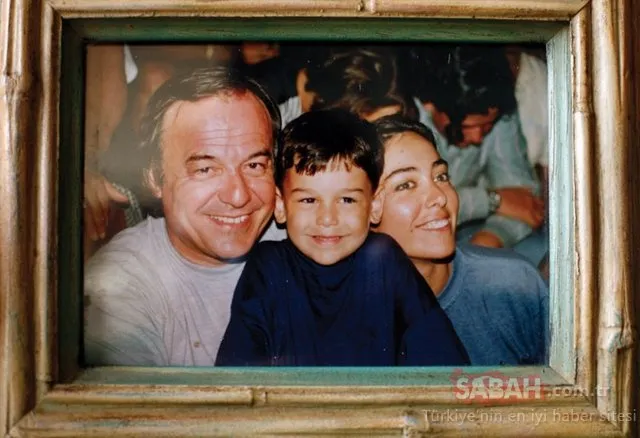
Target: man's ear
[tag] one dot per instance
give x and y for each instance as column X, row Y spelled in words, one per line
column 377, row 204
column 280, row 212
column 152, row 184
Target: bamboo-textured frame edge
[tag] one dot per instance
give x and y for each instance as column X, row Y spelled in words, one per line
column 32, row 402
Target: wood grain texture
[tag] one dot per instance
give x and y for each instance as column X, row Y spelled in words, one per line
column 19, row 105
column 196, row 8
column 45, row 236
column 510, row 9
column 287, row 28
column 40, row 263
column 585, row 188
column 616, row 333
column 562, row 207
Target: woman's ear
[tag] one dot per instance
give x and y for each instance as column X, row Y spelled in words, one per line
column 280, row 212
column 377, row 205
column 152, row 184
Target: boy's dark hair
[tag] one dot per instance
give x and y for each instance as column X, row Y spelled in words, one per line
column 359, row 80
column 390, row 126
column 309, row 143
column 463, row 80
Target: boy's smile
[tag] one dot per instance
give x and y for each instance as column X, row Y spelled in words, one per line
column 327, row 214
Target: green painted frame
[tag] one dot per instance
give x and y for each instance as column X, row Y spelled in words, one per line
column 593, row 329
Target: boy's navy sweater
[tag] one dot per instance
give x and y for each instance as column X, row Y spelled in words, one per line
column 371, row 309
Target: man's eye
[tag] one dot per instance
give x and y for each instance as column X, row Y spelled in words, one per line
column 307, row 201
column 442, row 177
column 204, row 170
column 256, row 167
column 405, row 186
column 347, row 200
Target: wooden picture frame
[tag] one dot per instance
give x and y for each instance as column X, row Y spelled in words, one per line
column 588, row 387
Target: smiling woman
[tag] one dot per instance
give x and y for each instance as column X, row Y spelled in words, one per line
column 501, row 319
column 47, row 390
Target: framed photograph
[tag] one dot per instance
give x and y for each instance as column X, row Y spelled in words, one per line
column 53, row 51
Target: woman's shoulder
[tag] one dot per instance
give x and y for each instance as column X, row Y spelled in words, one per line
column 499, row 269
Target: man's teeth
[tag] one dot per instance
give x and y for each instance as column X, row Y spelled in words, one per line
column 441, row 223
column 231, row 220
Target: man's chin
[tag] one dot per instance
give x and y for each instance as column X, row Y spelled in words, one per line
column 237, row 254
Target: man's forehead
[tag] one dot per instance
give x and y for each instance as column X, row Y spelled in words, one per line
column 219, row 118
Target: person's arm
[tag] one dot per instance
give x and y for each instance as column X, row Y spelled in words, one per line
column 121, row 325
column 246, row 341
column 508, row 172
column 105, row 104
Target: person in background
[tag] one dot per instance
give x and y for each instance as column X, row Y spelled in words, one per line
column 496, row 300
column 465, row 95
column 363, row 81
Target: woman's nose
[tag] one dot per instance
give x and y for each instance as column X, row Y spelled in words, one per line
column 436, row 197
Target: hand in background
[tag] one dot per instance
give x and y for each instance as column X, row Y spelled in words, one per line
column 99, row 194
column 486, row 238
column 521, row 204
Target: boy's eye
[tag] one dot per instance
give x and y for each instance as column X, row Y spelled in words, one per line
column 405, row 186
column 442, row 177
column 307, row 200
column 347, row 200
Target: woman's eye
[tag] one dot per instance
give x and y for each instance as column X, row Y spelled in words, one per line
column 405, row 186
column 307, row 201
column 442, row 177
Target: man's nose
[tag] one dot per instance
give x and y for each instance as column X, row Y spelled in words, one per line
column 235, row 191
column 327, row 215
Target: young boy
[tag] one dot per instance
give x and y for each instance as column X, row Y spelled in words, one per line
column 333, row 293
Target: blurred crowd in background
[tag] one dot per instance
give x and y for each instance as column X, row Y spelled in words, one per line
column 498, row 138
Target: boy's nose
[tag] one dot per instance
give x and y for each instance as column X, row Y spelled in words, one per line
column 327, row 216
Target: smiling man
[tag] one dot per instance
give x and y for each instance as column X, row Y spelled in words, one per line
column 160, row 293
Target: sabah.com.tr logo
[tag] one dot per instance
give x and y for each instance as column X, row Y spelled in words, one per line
column 495, row 387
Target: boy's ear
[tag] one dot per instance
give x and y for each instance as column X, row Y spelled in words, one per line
column 152, row 184
column 377, row 204
column 280, row 212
